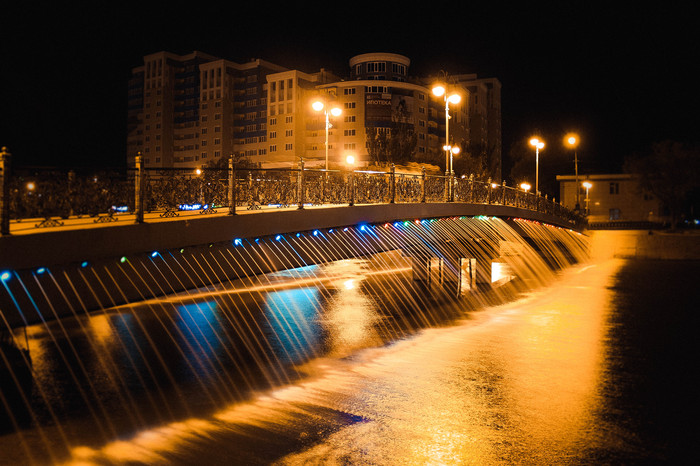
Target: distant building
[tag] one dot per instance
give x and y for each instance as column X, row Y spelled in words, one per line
column 612, row 200
column 188, row 110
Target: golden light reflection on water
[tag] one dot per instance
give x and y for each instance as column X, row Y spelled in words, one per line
column 516, row 383
column 350, row 318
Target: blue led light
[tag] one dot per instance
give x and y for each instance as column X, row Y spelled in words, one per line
column 84, row 264
column 154, row 253
column 4, row 276
column 278, row 237
column 237, row 242
column 257, row 240
column 298, row 235
column 330, row 231
column 316, row 232
column 40, row 270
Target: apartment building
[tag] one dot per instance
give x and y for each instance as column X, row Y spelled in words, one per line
column 188, row 110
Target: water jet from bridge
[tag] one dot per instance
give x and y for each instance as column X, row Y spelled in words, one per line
column 168, row 340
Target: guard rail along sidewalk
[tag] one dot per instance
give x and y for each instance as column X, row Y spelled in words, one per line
column 47, row 196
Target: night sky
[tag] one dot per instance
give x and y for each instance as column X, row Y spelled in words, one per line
column 621, row 78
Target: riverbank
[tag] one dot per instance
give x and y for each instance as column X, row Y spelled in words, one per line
column 645, row 244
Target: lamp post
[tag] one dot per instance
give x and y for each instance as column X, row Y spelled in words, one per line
column 572, row 141
column 335, row 111
column 587, row 185
column 350, row 161
column 451, row 150
column 454, row 98
column 538, row 145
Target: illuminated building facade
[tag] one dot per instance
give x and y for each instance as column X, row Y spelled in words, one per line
column 190, row 110
column 612, row 199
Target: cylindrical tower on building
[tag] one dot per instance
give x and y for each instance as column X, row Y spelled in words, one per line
column 385, row 66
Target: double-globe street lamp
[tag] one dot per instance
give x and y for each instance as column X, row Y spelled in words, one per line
column 335, row 111
column 453, row 98
column 538, row 145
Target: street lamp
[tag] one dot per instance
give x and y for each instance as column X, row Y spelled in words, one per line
column 451, row 150
column 587, row 185
column 335, row 111
column 572, row 141
column 454, row 98
column 538, row 145
column 525, row 187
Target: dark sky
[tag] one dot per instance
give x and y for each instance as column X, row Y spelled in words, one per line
column 622, row 77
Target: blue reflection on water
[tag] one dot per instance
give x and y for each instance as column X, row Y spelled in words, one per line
column 292, row 316
column 197, row 322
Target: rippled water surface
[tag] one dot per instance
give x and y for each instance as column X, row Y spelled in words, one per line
column 352, row 366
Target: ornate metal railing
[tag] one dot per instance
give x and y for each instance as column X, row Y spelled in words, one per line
column 49, row 196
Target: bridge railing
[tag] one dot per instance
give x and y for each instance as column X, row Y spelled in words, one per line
column 49, row 196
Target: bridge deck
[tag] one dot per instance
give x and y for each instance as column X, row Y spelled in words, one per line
column 81, row 239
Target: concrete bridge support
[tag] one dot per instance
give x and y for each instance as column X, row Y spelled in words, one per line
column 455, row 275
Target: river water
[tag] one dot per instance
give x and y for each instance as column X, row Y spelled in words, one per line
column 351, row 365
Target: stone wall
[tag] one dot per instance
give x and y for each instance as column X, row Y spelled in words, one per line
column 645, row 244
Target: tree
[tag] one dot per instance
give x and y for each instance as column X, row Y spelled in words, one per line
column 522, row 161
column 395, row 144
column 476, row 159
column 377, row 145
column 671, row 172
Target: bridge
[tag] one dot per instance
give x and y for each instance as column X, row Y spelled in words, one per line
column 185, row 230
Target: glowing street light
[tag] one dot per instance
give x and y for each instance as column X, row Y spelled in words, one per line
column 572, row 141
column 587, row 185
column 319, row 106
column 453, row 98
column 538, row 145
column 350, row 160
column 525, row 187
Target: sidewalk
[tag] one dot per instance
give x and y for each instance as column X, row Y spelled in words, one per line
column 29, row 225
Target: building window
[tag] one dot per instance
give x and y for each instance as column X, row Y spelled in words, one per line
column 350, row 119
column 614, row 188
column 288, row 119
column 614, row 214
column 398, row 68
column 289, row 133
column 349, row 91
column 288, row 146
column 349, row 132
column 376, row 67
